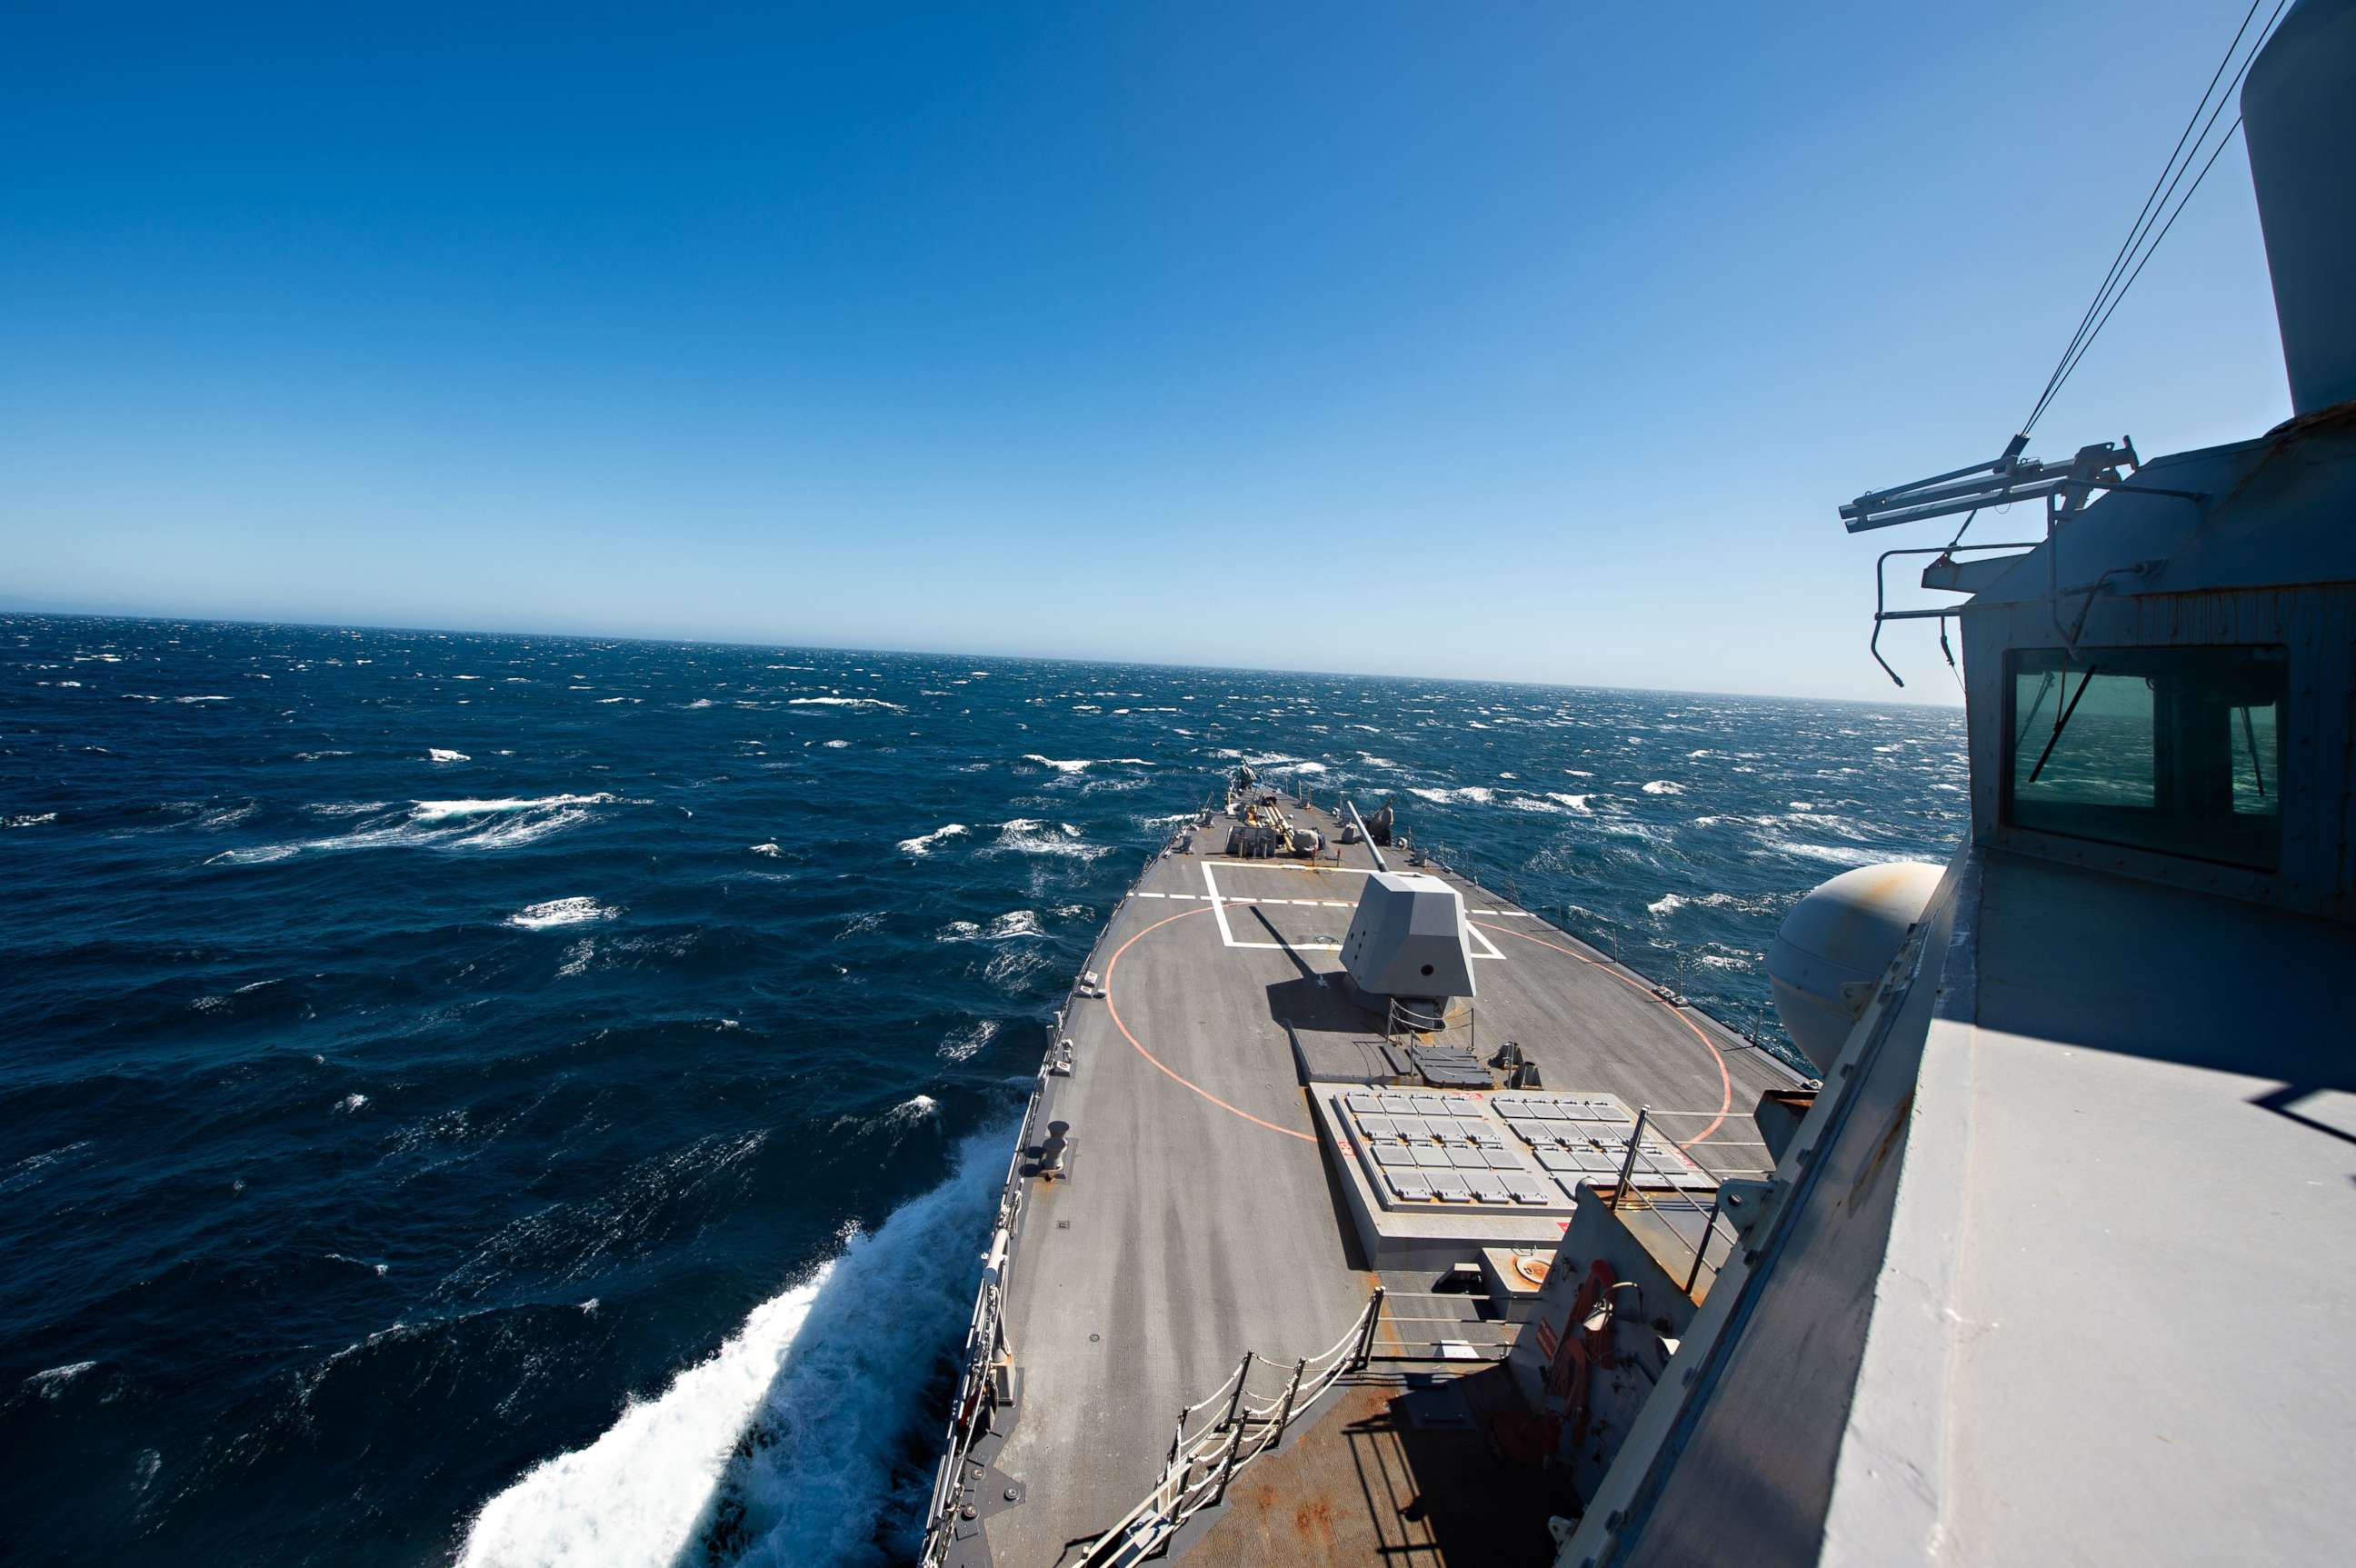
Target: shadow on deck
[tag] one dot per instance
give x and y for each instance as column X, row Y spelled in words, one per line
column 1415, row 1469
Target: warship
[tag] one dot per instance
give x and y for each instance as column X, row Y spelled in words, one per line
column 1358, row 1214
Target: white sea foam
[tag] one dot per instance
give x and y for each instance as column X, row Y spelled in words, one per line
column 1029, row 835
column 351, row 1103
column 1831, row 853
column 30, row 819
column 1081, row 765
column 443, row 754
column 1665, row 786
column 345, row 808
column 701, row 703
column 440, row 810
column 818, row 1386
column 917, row 1109
column 262, row 856
column 454, row 825
column 560, row 912
column 771, row 849
column 843, row 702
column 53, row 1383
column 961, row 1044
column 1667, row 903
column 1477, row 794
column 1574, row 803
column 838, row 744
column 922, row 844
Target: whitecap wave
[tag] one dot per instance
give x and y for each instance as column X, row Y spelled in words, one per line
column 793, row 1428
column 443, row 754
column 961, row 1044
column 560, row 912
column 1029, row 835
column 1665, row 786
column 28, row 819
column 1830, row 853
column 454, row 825
column 1068, row 766
column 53, row 1383
column 843, row 702
column 922, row 844
column 1473, row 794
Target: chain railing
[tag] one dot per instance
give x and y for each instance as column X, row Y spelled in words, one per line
column 1205, row 1455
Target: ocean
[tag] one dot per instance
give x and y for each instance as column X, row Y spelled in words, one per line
column 524, row 1100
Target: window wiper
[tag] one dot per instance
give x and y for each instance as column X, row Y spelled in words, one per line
column 2062, row 719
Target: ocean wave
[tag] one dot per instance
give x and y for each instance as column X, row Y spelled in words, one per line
column 442, row 810
column 444, row 754
column 1830, row 853
column 916, row 1107
column 922, row 844
column 1475, row 794
column 791, row 1430
column 1081, row 765
column 559, row 912
column 53, row 1382
column 843, row 702
column 1012, row 965
column 1029, row 835
column 29, row 820
column 1001, row 928
column 1665, row 786
column 961, row 1044
column 264, row 855
column 770, row 849
column 456, row 825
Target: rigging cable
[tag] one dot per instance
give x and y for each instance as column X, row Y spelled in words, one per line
column 2106, row 297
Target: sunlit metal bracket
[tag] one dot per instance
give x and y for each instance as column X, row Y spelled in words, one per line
column 2000, row 481
column 2064, row 488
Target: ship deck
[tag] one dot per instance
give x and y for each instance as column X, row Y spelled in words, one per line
column 1201, row 1215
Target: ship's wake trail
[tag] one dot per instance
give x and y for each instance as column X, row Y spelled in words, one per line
column 792, row 1442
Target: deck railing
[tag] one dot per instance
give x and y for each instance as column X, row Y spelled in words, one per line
column 1205, row 1454
column 985, row 1340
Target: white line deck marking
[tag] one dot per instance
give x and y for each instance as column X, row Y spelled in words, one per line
column 1221, row 902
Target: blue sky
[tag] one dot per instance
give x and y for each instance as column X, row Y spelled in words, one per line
column 1532, row 341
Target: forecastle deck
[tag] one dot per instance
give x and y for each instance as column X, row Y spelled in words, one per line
column 1205, row 1208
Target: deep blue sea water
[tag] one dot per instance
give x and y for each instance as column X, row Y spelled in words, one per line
column 456, row 1088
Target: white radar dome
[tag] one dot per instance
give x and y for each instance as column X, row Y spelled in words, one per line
column 1834, row 945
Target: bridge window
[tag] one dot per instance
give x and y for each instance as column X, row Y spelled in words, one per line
column 2174, row 749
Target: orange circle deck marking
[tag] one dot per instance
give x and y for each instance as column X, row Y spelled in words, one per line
column 1725, row 1080
column 1113, row 964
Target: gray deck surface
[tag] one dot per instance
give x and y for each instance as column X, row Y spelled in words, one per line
column 1199, row 1220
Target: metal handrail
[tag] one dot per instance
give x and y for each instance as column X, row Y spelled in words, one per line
column 1199, row 1468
